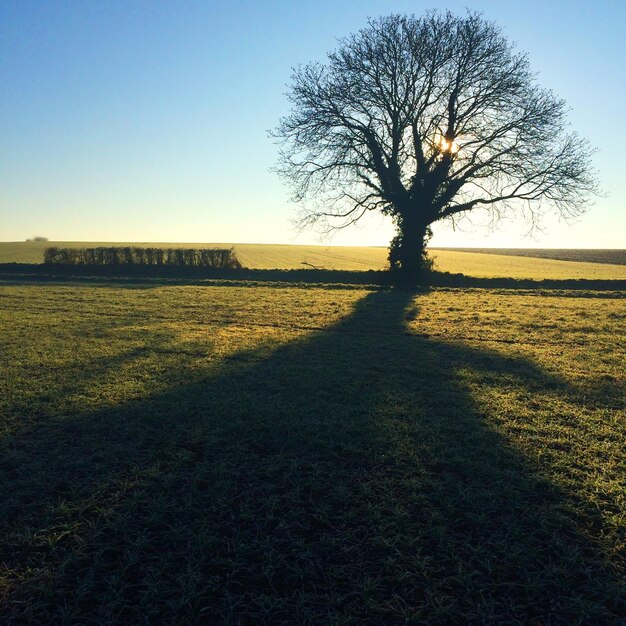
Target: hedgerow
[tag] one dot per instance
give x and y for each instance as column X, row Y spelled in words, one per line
column 215, row 258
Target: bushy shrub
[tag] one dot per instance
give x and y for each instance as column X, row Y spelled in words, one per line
column 64, row 256
column 213, row 258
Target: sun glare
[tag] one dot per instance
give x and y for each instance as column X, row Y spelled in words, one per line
column 448, row 146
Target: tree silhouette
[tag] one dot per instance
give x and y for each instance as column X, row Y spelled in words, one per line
column 428, row 119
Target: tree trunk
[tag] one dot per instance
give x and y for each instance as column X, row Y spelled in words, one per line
column 408, row 250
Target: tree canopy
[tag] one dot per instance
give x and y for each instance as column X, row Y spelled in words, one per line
column 426, row 119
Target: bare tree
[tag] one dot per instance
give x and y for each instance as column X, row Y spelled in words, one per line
column 427, row 119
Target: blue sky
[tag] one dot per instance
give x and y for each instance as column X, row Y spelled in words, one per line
column 147, row 120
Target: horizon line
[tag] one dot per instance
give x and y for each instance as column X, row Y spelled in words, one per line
column 304, row 245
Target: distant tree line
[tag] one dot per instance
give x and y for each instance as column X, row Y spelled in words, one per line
column 37, row 238
column 215, row 258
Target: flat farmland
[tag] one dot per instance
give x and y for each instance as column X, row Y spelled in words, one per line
column 273, row 453
column 614, row 256
column 273, row 256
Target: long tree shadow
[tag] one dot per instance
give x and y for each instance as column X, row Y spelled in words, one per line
column 347, row 477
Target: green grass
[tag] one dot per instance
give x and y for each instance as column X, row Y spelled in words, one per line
column 248, row 453
column 271, row 256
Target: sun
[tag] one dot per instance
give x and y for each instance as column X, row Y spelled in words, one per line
column 445, row 145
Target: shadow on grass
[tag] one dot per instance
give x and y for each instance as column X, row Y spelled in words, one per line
column 345, row 477
column 146, row 276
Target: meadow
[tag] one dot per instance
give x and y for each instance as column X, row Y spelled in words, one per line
column 244, row 452
column 479, row 264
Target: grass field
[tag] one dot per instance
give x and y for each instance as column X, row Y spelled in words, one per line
column 271, row 256
column 614, row 256
column 247, row 453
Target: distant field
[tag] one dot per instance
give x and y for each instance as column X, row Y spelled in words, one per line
column 488, row 265
column 271, row 256
column 232, row 453
column 615, row 257
column 257, row 256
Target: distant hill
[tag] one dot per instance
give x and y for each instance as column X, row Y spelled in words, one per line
column 483, row 262
column 615, row 257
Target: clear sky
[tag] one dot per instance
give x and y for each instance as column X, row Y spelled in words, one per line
column 147, row 120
